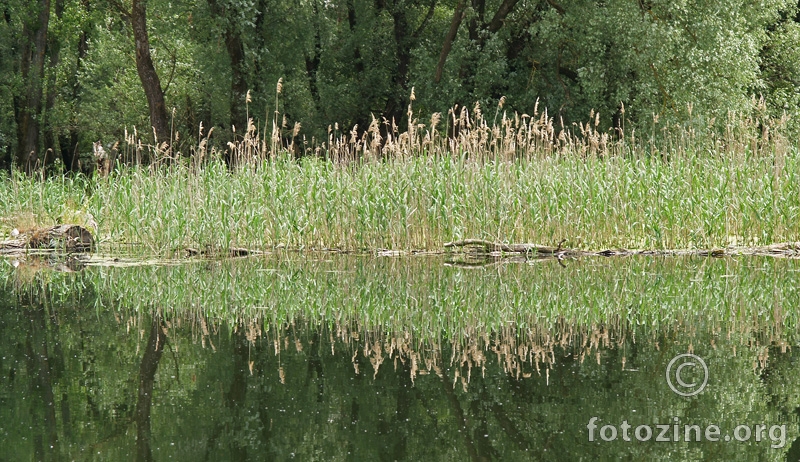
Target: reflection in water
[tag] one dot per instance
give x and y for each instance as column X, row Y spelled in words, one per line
column 147, row 372
column 312, row 364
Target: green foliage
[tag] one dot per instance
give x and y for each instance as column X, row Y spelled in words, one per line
column 781, row 72
column 687, row 64
column 112, row 98
column 656, row 57
column 11, row 81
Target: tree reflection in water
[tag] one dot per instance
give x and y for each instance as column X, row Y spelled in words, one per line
column 106, row 372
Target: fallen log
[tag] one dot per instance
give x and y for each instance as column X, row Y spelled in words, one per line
column 782, row 249
column 221, row 252
column 490, row 246
column 65, row 238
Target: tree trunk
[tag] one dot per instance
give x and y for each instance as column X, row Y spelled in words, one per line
column 476, row 25
column 28, row 111
column 358, row 61
column 502, row 12
column 6, row 159
column 234, row 45
column 51, row 146
column 469, row 66
column 69, row 145
column 233, row 41
column 476, row 22
column 237, row 393
column 397, row 101
column 39, row 365
column 450, row 37
column 147, row 73
column 6, row 156
column 313, row 61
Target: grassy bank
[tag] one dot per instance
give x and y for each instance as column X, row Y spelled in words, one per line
column 508, row 179
column 423, row 202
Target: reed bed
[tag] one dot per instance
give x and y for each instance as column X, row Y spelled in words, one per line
column 515, row 178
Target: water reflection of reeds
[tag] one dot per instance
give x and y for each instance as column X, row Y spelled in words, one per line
column 423, row 315
column 296, row 353
column 518, row 353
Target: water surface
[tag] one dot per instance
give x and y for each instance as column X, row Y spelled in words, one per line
column 332, row 357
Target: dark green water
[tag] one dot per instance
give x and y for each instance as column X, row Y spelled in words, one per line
column 320, row 357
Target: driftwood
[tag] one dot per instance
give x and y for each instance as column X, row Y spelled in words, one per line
column 220, row 252
column 490, row 246
column 66, row 238
column 784, row 249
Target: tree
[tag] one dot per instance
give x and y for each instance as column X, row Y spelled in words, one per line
column 780, row 70
column 147, row 373
column 147, row 72
column 406, row 37
column 8, row 66
column 346, row 61
column 69, row 143
column 479, row 29
column 28, row 105
column 234, row 45
column 151, row 84
column 229, row 16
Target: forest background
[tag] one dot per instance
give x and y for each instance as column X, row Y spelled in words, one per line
column 73, row 72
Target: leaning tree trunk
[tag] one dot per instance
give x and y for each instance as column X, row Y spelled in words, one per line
column 458, row 15
column 147, row 73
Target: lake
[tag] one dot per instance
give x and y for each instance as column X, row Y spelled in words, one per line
column 322, row 356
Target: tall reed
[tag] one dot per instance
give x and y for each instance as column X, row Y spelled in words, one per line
column 517, row 178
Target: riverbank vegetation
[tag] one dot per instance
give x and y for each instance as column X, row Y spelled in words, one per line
column 76, row 72
column 329, row 127
column 517, row 180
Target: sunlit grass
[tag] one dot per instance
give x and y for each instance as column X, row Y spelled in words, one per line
column 518, row 180
column 423, row 202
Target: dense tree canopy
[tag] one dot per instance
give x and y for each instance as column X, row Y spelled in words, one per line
column 78, row 71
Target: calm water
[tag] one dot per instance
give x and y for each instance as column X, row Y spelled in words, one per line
column 321, row 357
